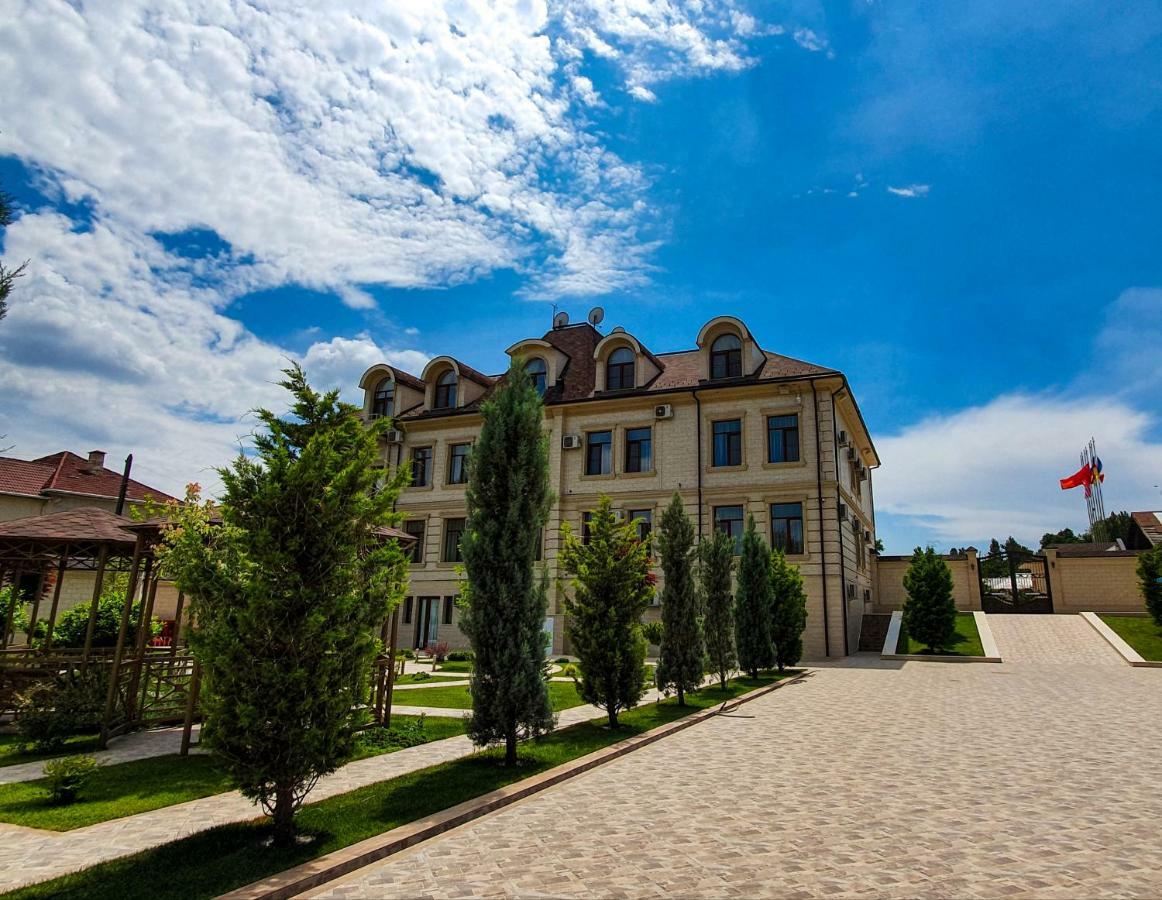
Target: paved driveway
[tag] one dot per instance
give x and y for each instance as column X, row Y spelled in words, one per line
column 1033, row 778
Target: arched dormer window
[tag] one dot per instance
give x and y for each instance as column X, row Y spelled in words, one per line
column 539, row 373
column 383, row 401
column 445, row 391
column 726, row 357
column 619, row 371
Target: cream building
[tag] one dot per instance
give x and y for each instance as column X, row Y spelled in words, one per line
column 735, row 429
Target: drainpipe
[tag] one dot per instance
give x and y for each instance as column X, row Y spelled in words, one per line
column 842, row 525
column 698, row 441
column 822, row 537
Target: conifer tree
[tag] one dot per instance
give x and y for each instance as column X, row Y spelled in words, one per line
column 680, row 663
column 789, row 610
column 7, row 276
column 716, row 562
column 752, row 608
column 289, row 594
column 503, row 612
column 1150, row 577
column 612, row 587
column 929, row 610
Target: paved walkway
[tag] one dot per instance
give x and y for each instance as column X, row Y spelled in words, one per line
column 29, row 855
column 1030, row 778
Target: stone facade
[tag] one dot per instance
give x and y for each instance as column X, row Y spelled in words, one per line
column 673, row 395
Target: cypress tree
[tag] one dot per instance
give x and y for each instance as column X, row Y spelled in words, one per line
column 716, row 562
column 789, row 612
column 752, row 609
column 612, row 587
column 929, row 610
column 505, row 604
column 1150, row 577
column 680, row 663
column 288, row 595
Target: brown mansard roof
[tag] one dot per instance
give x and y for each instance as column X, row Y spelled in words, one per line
column 679, row 369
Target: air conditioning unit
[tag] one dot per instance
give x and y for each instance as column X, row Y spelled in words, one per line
column 842, row 438
column 851, row 454
column 863, row 473
column 855, row 522
column 663, row 411
column 867, row 535
column 842, row 510
column 571, row 442
column 395, row 436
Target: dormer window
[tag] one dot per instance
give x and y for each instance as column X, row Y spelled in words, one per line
column 445, row 391
column 539, row 373
column 619, row 371
column 383, row 401
column 726, row 357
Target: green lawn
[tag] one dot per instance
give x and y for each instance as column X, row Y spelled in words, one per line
column 125, row 789
column 967, row 640
column 10, row 754
column 228, row 857
column 458, row 665
column 1139, row 632
column 410, row 678
column 562, row 695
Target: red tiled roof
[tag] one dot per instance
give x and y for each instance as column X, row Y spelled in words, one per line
column 85, row 524
column 1151, row 524
column 70, row 473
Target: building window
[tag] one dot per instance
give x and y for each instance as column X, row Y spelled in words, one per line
column 539, row 373
column 726, row 357
column 729, row 519
column 643, row 520
column 586, row 520
column 446, row 391
column 787, row 527
column 728, row 443
column 383, row 402
column 415, row 527
column 619, row 370
column 421, row 466
column 407, row 610
column 783, row 438
column 449, row 604
column 458, row 463
column 639, row 456
column 453, row 531
column 599, row 453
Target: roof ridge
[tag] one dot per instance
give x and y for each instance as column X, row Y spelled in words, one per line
column 48, row 485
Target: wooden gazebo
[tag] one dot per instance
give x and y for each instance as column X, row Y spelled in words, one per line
column 147, row 685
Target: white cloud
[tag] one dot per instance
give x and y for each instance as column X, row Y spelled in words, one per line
column 911, row 190
column 993, row 470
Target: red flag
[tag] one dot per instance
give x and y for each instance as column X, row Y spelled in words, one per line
column 1082, row 477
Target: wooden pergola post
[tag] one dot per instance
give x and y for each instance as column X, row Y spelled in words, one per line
column 177, row 624
column 191, row 704
column 62, row 566
column 98, row 584
column 149, row 594
column 17, row 572
column 391, row 667
column 114, row 671
column 35, row 606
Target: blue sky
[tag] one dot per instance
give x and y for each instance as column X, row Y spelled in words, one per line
column 957, row 205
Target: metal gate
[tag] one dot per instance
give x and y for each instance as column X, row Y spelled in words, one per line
column 1014, row 583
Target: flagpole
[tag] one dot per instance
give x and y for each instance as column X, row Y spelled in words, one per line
column 1098, row 501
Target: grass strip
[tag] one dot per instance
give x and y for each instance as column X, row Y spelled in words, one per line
column 129, row 788
column 562, row 695
column 221, row 859
column 966, row 643
column 1140, row 632
column 11, row 754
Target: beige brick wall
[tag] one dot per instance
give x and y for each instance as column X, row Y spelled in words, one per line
column 1100, row 582
column 890, row 580
column 754, row 485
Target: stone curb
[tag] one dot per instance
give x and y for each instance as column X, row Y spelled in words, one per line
column 988, row 643
column 1115, row 640
column 342, row 862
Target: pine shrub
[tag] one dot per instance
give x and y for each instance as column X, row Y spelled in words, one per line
column 789, row 610
column 681, row 660
column 716, row 564
column 752, row 607
column 929, row 610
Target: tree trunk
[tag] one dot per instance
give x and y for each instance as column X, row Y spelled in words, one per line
column 681, row 696
column 722, row 678
column 611, row 711
column 510, row 746
column 284, row 815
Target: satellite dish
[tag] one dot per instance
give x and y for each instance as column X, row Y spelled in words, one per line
column 596, row 315
column 560, row 320
column 617, row 329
